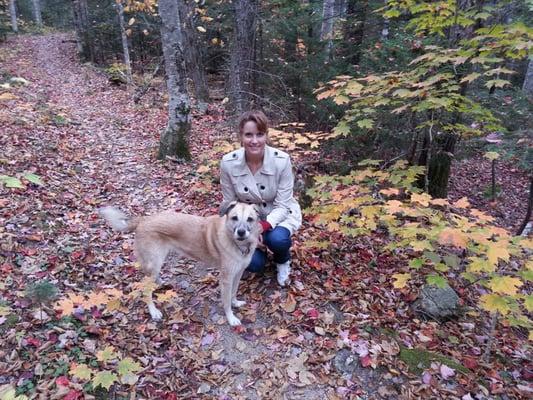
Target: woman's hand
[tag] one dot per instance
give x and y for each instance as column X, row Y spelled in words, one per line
column 260, row 243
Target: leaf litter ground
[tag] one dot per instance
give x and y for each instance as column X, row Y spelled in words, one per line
column 336, row 333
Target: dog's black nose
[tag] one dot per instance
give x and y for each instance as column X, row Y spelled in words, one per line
column 241, row 232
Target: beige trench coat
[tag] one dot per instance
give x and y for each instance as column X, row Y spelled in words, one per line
column 271, row 188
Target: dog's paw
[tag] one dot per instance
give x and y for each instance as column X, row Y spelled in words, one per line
column 155, row 313
column 233, row 320
column 237, row 303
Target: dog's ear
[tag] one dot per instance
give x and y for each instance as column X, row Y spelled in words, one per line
column 228, row 208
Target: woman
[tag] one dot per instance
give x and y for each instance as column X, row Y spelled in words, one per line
column 262, row 175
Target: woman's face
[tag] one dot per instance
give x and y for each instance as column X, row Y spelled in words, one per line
column 253, row 141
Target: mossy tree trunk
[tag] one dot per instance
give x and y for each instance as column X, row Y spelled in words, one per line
column 441, row 149
column 174, row 140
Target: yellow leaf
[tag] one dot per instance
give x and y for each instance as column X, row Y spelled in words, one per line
column 453, row 237
column 491, row 155
column 114, row 293
column 390, row 191
column 290, row 304
column 478, row 264
column 203, row 169
column 400, row 280
column 505, row 284
column 419, row 245
column 96, row 299
column 462, row 203
column 526, row 243
column 422, row 199
column 7, row 96
column 106, row 354
column 326, row 94
column 528, row 303
column 104, row 379
column 496, row 252
column 494, row 302
column 439, row 202
column 341, row 99
column 8, row 392
column 80, row 371
column 481, row 216
column 113, row 305
column 394, row 206
column 201, row 29
column 128, row 366
column 166, row 296
column 65, row 306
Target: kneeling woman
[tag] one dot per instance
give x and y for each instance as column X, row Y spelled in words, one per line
column 262, row 175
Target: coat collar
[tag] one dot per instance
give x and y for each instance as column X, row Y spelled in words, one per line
column 241, row 168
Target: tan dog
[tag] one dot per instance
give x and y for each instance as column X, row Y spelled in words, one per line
column 226, row 242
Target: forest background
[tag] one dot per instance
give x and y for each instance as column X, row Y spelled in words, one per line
column 409, row 124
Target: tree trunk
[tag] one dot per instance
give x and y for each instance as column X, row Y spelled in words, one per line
column 354, row 29
column 124, row 38
column 174, row 140
column 37, row 13
column 83, row 31
column 193, row 55
column 326, row 31
column 527, row 87
column 13, row 15
column 527, row 219
column 438, row 157
column 242, row 64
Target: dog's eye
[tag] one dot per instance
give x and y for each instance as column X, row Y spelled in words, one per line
column 250, row 219
column 235, row 218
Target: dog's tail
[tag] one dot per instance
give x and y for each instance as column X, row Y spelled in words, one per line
column 118, row 220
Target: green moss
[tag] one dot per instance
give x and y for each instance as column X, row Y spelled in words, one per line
column 418, row 359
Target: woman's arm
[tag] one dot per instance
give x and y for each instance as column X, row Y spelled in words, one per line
column 284, row 194
column 228, row 193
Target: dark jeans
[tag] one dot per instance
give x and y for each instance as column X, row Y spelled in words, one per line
column 278, row 240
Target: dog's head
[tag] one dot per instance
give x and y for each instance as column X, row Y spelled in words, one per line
column 242, row 221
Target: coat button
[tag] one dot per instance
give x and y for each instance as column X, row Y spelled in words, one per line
column 262, row 187
column 234, row 155
column 275, row 153
column 245, row 189
column 264, row 204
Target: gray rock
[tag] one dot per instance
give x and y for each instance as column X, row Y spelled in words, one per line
column 437, row 303
column 345, row 362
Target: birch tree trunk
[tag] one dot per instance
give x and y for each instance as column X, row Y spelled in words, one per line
column 326, row 32
column 193, row 56
column 242, row 63
column 13, row 15
column 124, row 37
column 527, row 87
column 174, row 140
column 37, row 13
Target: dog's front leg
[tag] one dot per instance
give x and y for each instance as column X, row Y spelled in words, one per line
column 235, row 286
column 225, row 294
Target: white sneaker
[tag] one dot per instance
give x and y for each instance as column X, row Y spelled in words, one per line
column 283, row 273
